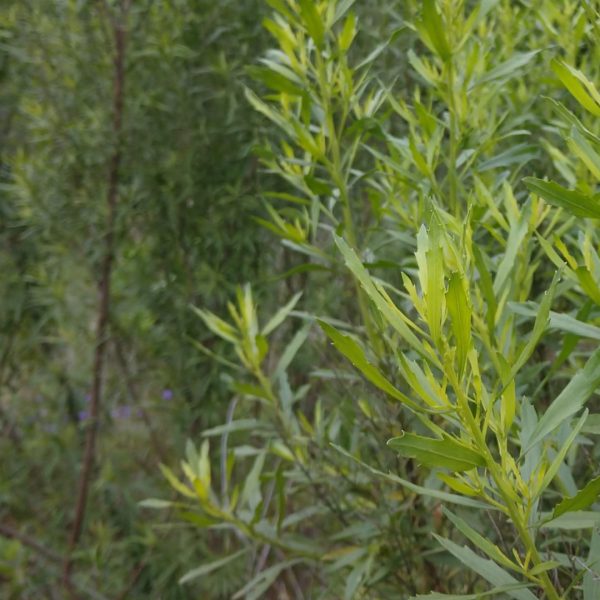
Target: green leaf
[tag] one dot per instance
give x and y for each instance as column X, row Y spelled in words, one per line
column 354, row 353
column 341, row 8
column 290, row 351
column 433, row 29
column 279, row 317
column 239, row 425
column 175, row 483
column 251, row 493
column 560, row 455
column 592, row 425
column 482, row 543
column 542, row 321
column 281, row 7
column 518, row 154
column 580, row 146
column 459, row 309
column 413, row 487
column 574, row 202
column 348, row 32
column 506, row 69
column 210, row 567
column 570, row 401
column 514, row 245
column 582, row 500
column 588, row 284
column 434, row 293
column 562, row 322
column 570, row 521
column 579, row 86
column 312, row 21
column 268, row 112
column 388, row 309
column 155, row 503
column 486, row 285
column 275, row 80
column 259, row 584
column 446, row 453
column 544, row 566
column 485, row 568
column 219, row 327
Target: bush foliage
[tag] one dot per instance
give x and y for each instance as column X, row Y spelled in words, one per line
column 300, row 308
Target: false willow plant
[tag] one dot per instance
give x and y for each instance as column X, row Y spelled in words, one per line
column 463, row 364
column 462, row 347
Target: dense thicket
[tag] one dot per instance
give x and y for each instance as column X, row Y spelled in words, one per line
column 339, row 257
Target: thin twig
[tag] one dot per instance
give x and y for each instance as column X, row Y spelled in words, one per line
column 103, row 292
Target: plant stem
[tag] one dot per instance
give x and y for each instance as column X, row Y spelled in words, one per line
column 104, row 293
column 521, row 527
column 340, row 180
column 506, row 492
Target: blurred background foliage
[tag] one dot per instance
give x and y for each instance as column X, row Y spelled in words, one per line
column 213, row 195
column 186, row 172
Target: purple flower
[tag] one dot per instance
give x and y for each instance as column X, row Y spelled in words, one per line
column 83, row 415
column 88, row 397
column 167, row 394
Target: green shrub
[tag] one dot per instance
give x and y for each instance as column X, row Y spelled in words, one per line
column 477, row 302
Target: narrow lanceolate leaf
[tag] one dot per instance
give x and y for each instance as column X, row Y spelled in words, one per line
column 459, row 310
column 562, row 322
column 580, row 146
column 570, row 401
column 481, row 542
column 279, row 317
column 210, row 567
column 582, row 89
column 312, row 21
column 417, row 489
column 575, row 202
column 446, row 453
column 275, row 80
column 389, row 311
column 542, row 321
column 582, row 500
column 507, row 69
column 433, row 27
column 435, row 291
column 348, row 32
column 217, row 326
column 557, row 461
column 579, row 519
column 485, row 568
column 355, row 354
column 588, row 283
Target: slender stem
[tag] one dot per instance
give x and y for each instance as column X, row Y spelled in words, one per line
column 104, row 293
column 515, row 514
column 521, row 527
column 506, row 492
column 340, row 179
